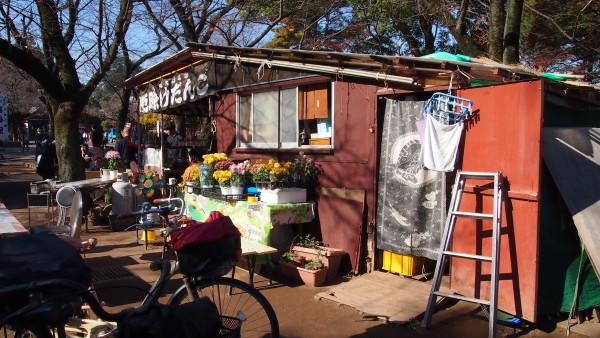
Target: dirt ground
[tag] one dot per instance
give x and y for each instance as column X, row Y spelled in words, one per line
column 299, row 313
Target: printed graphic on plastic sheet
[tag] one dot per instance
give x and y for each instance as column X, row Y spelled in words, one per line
column 412, row 201
column 254, row 220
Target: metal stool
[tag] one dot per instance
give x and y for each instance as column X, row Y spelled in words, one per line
column 41, row 200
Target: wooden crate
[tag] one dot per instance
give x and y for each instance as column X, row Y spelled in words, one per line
column 320, row 141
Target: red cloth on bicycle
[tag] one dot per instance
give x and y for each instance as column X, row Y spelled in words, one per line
column 217, row 226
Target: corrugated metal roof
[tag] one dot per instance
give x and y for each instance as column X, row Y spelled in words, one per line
column 424, row 72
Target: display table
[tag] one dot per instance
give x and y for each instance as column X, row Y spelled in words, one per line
column 254, row 219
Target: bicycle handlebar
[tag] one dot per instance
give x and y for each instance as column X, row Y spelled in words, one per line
column 147, row 208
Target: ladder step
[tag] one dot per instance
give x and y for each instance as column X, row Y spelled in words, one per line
column 475, row 215
column 478, row 175
column 466, row 255
column 459, row 297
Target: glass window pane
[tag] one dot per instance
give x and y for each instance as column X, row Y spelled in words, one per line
column 289, row 117
column 245, row 117
column 265, row 115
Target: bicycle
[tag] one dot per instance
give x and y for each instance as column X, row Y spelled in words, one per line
column 44, row 308
column 233, row 298
column 235, row 301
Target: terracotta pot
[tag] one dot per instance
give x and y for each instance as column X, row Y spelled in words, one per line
column 308, row 277
column 331, row 257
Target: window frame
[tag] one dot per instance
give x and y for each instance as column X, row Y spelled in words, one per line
column 280, row 145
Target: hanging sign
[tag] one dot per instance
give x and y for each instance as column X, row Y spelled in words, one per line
column 176, row 90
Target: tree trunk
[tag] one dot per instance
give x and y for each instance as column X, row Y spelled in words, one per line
column 124, row 112
column 66, row 133
column 495, row 31
column 512, row 32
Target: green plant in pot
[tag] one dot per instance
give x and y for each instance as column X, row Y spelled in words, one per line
column 311, row 248
column 310, row 272
column 292, row 257
column 316, row 263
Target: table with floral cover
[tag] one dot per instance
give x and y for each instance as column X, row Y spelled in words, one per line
column 254, row 219
column 9, row 225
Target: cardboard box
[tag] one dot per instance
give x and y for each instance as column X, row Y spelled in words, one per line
column 283, row 195
column 406, row 265
column 320, row 141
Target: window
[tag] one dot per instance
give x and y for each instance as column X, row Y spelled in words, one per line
column 285, row 118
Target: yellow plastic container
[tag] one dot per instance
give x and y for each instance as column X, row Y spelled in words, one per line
column 406, row 265
column 148, row 235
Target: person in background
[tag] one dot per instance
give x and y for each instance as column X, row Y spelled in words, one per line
column 25, row 137
column 96, row 154
column 48, row 162
column 193, row 169
column 97, row 134
column 85, row 151
column 39, row 138
column 126, row 148
column 173, row 139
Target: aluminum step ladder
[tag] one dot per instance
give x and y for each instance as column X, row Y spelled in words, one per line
column 445, row 253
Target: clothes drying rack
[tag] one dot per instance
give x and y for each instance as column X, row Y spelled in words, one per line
column 447, row 108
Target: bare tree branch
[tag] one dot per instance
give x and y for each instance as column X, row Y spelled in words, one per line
column 562, row 32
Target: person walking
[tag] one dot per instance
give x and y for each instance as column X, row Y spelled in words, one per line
column 25, row 138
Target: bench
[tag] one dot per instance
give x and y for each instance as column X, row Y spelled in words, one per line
column 251, row 249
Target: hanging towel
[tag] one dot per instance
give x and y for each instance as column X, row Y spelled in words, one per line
column 440, row 144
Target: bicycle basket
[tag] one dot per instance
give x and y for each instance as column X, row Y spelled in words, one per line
column 230, row 327
column 215, row 258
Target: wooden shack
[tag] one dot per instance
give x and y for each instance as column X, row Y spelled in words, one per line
column 335, row 108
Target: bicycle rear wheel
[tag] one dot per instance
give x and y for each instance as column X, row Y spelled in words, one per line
column 235, row 298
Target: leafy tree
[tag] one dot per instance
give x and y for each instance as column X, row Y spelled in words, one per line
column 562, row 36
column 58, row 45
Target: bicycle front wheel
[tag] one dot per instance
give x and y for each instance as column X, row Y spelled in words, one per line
column 235, row 298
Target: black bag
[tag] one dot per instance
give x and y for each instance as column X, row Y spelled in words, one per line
column 42, row 256
column 196, row 319
column 37, row 257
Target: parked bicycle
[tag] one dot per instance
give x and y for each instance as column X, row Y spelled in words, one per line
column 44, row 305
column 203, row 266
column 45, row 308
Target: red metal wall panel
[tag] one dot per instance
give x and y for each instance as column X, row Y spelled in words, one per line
column 504, row 136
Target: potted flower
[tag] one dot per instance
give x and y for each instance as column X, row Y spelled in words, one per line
column 310, row 271
column 223, row 177
column 311, row 248
column 238, row 177
column 259, row 172
column 191, row 177
column 207, row 168
column 111, row 162
column 305, row 171
column 279, row 175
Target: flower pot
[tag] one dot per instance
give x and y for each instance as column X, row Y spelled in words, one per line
column 206, row 178
column 105, row 174
column 308, row 277
column 237, row 190
column 331, row 257
column 189, row 187
column 225, row 190
column 114, row 174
